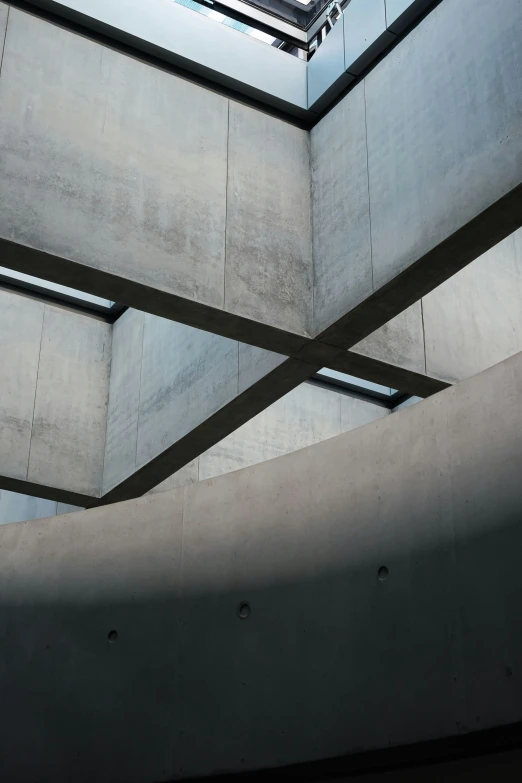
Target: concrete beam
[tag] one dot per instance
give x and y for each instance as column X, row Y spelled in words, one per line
column 468, row 324
column 189, row 390
column 302, row 539
column 159, row 225
column 93, row 413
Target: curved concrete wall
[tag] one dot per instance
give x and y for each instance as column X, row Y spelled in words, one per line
column 123, row 655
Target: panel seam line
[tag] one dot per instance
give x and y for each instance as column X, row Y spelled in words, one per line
column 226, row 212
column 368, row 183
column 139, row 395
column 35, row 393
column 423, row 336
column 4, row 39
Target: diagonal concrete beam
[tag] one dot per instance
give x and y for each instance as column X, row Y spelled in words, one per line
column 175, row 392
column 206, row 221
column 92, row 412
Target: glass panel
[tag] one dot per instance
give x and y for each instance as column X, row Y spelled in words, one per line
column 61, row 291
column 353, row 381
column 243, row 28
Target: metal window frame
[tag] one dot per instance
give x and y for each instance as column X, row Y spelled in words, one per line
column 361, row 389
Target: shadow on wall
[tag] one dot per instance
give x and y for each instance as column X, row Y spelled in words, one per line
column 112, row 671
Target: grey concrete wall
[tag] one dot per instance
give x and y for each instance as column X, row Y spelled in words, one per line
column 173, row 239
column 268, row 247
column 141, row 195
column 465, row 325
column 53, row 395
column 474, row 319
column 3, row 25
column 198, row 44
column 332, row 659
column 434, row 141
column 306, row 415
column 167, row 379
column 15, row 507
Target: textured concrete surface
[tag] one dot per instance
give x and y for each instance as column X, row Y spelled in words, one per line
column 444, row 142
column 464, row 326
column 193, row 390
column 94, row 566
column 268, row 250
column 356, row 413
column 186, row 376
column 4, row 10
column 20, row 333
column 431, row 650
column 53, row 396
column 96, row 177
column 140, row 203
column 15, row 507
column 124, row 398
column 304, row 416
column 104, row 122
column 471, row 322
column 168, row 383
column 401, row 13
column 139, row 193
column 401, row 340
column 474, row 320
column 341, row 217
column 254, row 363
column 70, row 406
column 307, row 415
column 222, row 54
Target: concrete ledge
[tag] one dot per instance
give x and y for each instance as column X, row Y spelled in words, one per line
column 197, row 44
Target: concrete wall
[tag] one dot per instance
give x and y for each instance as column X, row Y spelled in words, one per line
column 428, row 145
column 196, row 44
column 53, row 395
column 465, row 325
column 167, row 379
column 15, row 507
column 175, row 392
column 336, row 655
column 305, row 416
column 143, row 158
column 147, row 206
